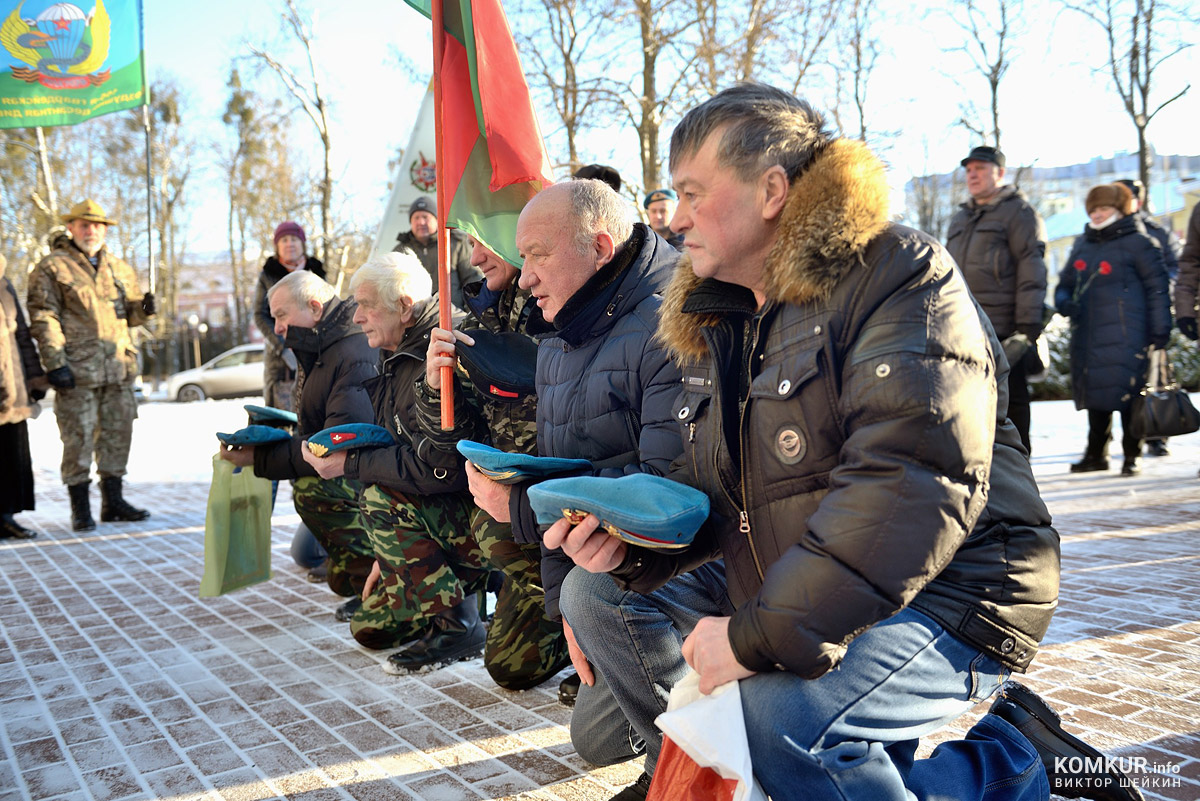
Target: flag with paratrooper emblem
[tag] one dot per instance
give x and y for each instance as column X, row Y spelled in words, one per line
column 65, row 63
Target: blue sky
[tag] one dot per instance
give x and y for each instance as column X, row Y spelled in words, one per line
column 1055, row 107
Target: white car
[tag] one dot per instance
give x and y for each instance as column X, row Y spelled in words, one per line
column 235, row 373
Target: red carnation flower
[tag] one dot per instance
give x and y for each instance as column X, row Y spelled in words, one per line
column 1105, row 268
column 1080, row 265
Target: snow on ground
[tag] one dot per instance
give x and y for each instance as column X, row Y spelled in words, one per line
column 174, row 442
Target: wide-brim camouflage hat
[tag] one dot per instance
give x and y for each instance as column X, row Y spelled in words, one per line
column 641, row 509
column 88, row 210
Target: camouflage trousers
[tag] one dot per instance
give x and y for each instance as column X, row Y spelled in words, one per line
column 428, row 563
column 524, row 647
column 330, row 509
column 94, row 420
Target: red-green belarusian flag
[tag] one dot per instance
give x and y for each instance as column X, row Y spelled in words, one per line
column 492, row 149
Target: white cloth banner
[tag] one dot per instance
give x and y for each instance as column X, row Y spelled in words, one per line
column 415, row 176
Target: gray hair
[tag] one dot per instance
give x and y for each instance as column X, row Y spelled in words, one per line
column 595, row 207
column 304, row 287
column 763, row 126
column 395, row 275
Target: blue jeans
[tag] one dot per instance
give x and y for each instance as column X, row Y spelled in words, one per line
column 638, row 638
column 850, row 735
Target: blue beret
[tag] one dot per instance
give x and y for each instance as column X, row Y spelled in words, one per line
column 641, row 509
column 511, row 468
column 347, row 437
column 254, row 435
column 657, row 195
column 269, row 415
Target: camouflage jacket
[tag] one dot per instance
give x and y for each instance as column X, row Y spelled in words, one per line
column 510, row 427
column 81, row 316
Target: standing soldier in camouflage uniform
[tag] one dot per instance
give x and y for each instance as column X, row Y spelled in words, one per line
column 82, row 302
column 427, row 567
column 524, row 647
column 334, row 360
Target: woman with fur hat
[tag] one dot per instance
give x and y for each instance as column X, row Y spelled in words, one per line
column 1114, row 290
column 22, row 384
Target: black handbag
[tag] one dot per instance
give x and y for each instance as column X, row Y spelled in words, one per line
column 1163, row 409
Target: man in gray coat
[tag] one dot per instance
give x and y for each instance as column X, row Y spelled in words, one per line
column 999, row 242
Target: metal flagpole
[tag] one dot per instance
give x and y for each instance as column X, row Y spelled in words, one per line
column 149, row 192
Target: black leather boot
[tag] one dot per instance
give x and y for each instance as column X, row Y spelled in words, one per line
column 456, row 635
column 113, row 507
column 11, row 529
column 81, row 510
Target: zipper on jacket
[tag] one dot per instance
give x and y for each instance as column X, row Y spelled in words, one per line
column 744, row 514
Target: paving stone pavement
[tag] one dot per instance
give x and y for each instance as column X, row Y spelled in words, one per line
column 118, row 682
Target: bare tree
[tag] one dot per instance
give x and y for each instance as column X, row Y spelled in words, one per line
column 308, row 94
column 859, row 45
column 1133, row 58
column 563, row 49
column 932, row 199
column 991, row 28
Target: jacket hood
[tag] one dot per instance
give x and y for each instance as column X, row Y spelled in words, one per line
column 275, row 270
column 834, row 209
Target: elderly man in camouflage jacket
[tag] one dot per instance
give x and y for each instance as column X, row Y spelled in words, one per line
column 82, row 301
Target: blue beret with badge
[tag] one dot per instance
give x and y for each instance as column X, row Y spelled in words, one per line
column 270, row 416
column 641, row 509
column 512, row 468
column 253, row 435
column 347, row 437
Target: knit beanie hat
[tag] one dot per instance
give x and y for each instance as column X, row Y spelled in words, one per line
column 423, row 203
column 1114, row 195
column 289, row 228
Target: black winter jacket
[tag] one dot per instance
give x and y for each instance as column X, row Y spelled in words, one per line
column 1115, row 290
column 462, row 272
column 334, row 360
column 272, row 271
column 412, row 465
column 605, row 384
column 1000, row 248
column 1188, row 287
column 872, row 466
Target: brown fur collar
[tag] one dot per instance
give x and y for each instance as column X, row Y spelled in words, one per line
column 835, row 207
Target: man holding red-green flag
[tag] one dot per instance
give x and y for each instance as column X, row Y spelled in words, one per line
column 491, row 161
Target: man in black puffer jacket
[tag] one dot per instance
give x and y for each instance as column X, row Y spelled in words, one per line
column 999, row 242
column 334, row 360
column 604, row 388
column 888, row 555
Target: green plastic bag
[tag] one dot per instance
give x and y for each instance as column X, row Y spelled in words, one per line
column 237, row 530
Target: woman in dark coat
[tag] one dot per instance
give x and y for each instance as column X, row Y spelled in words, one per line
column 22, row 382
column 1114, row 289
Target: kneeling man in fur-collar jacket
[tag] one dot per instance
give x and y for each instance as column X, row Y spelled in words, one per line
column 887, row 554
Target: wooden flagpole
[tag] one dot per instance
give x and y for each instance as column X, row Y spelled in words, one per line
column 444, row 319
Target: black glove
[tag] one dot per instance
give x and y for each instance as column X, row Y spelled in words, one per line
column 148, row 306
column 1068, row 308
column 1187, row 326
column 61, row 378
column 1031, row 331
column 37, row 394
column 1160, row 342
